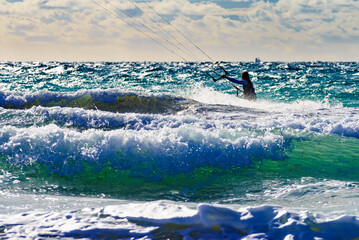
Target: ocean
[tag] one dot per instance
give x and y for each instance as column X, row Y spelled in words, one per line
column 157, row 150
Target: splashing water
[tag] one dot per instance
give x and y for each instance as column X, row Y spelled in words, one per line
column 100, row 134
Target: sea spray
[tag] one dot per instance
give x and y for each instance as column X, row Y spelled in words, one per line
column 158, row 150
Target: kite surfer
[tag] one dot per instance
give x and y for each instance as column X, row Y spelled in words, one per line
column 248, row 89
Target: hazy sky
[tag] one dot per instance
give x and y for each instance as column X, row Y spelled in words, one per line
column 229, row 30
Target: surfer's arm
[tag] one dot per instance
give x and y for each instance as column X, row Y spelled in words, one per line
column 233, row 80
column 216, row 79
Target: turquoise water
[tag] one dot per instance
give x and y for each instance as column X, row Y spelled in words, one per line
column 160, row 136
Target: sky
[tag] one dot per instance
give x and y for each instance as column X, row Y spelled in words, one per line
column 222, row 30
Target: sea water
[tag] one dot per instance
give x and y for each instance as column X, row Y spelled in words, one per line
column 143, row 150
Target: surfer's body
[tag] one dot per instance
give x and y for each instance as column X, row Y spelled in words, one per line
column 248, row 89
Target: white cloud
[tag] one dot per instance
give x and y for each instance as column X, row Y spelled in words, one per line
column 283, row 30
column 186, row 7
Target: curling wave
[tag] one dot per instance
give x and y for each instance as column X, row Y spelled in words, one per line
column 105, row 100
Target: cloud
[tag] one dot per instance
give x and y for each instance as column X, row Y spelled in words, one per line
column 185, row 7
column 12, row 1
column 277, row 29
column 41, row 39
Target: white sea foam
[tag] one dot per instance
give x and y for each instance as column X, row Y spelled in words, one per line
column 55, row 70
column 340, row 121
column 210, row 96
column 167, row 149
column 142, row 124
column 165, row 219
column 149, row 136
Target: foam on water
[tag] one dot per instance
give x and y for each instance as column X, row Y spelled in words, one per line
column 165, row 151
column 76, row 135
column 198, row 134
column 210, row 96
column 304, row 115
column 167, row 220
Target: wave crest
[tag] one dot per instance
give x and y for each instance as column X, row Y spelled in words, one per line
column 105, row 100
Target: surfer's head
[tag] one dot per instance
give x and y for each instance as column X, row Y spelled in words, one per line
column 245, row 76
